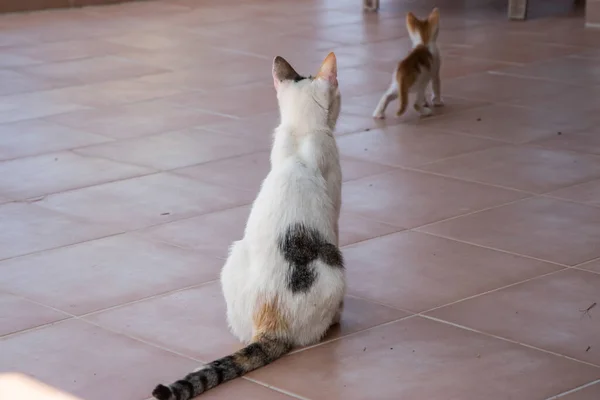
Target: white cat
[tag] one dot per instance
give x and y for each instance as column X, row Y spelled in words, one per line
column 284, row 281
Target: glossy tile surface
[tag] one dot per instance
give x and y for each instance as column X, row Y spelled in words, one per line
column 134, row 137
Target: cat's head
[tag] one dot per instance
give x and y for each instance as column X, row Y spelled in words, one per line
column 308, row 100
column 423, row 31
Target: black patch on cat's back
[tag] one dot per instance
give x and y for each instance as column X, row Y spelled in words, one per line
column 301, row 246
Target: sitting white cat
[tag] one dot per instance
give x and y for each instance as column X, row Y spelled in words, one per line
column 284, row 282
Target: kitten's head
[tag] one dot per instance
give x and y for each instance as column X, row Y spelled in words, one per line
column 423, row 31
column 313, row 101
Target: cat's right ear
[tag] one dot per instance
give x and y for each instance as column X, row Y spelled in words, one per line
column 282, row 71
column 328, row 70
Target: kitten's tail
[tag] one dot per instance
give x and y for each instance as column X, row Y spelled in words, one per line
column 264, row 350
column 405, row 81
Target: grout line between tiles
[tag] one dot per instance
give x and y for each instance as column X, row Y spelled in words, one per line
column 417, row 228
column 493, row 248
column 138, row 339
column 113, row 234
column 586, row 270
column 290, row 394
column 416, row 169
column 35, row 328
column 163, row 294
column 535, row 78
column 574, row 390
column 350, row 334
column 422, row 313
column 507, row 340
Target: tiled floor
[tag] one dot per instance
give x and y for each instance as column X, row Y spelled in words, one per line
column 133, row 138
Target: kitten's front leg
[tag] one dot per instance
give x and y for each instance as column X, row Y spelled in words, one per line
column 436, row 84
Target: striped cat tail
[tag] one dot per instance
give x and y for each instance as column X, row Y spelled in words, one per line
column 263, row 351
column 404, row 83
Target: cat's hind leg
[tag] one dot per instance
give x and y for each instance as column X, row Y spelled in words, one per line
column 420, row 101
column 390, row 95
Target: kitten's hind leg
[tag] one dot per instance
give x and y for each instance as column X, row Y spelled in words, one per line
column 419, row 101
column 390, row 95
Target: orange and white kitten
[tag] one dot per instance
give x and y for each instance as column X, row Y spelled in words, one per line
column 421, row 66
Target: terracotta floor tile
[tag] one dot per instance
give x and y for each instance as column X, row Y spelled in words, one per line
column 355, row 169
column 409, row 199
column 543, row 312
column 512, row 50
column 523, row 168
column 259, row 127
column 574, row 70
column 17, row 82
column 417, row 272
column 457, row 66
column 588, row 393
column 69, row 50
column 544, row 228
column 34, row 137
column 17, row 314
column 248, row 171
column 404, row 146
column 591, row 266
column 106, row 272
column 14, row 61
column 174, row 149
column 503, row 122
column 95, row 69
column 137, row 119
column 243, row 172
column 283, row 44
column 56, row 172
column 234, row 69
column 349, row 123
column 580, row 142
column 354, row 228
column 53, row 355
column 203, row 58
column 586, row 193
column 210, row 234
column 401, row 359
column 28, row 228
column 32, row 105
column 578, row 103
column 106, row 94
column 157, row 40
column 503, row 88
column 207, row 336
column 145, row 201
column 25, row 387
column 240, row 101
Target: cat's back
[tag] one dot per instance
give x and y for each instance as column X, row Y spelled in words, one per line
column 419, row 58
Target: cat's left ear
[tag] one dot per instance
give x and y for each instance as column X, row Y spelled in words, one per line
column 283, row 71
column 328, row 70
